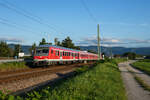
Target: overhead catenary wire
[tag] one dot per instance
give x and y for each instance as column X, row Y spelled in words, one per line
column 26, row 14
column 16, row 26
column 93, row 18
column 88, row 11
column 31, row 16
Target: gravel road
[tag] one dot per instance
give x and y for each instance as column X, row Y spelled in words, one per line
column 133, row 89
column 11, row 60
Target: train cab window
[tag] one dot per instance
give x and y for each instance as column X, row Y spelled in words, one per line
column 45, row 50
column 42, row 51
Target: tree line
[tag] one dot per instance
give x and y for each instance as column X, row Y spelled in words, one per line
column 6, row 51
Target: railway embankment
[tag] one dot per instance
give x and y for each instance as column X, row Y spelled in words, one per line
column 22, row 79
column 95, row 83
column 13, row 66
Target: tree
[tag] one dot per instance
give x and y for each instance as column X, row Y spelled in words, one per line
column 130, row 55
column 32, row 49
column 92, row 51
column 117, row 56
column 17, row 50
column 43, row 42
column 5, row 51
column 59, row 43
column 67, row 42
column 56, row 41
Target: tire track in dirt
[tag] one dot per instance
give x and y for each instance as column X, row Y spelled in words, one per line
column 133, row 89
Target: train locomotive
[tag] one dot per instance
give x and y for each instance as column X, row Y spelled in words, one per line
column 51, row 55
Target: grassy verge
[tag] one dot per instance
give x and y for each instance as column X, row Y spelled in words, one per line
column 12, row 66
column 102, row 82
column 142, row 83
column 143, row 65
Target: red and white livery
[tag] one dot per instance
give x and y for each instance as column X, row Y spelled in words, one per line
column 49, row 54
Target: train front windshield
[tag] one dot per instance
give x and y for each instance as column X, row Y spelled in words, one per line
column 41, row 52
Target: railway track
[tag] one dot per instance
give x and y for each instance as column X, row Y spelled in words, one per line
column 8, row 77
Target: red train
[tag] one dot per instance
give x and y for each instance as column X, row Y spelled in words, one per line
column 49, row 55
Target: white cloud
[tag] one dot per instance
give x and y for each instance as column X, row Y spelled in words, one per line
column 126, row 42
column 127, row 24
column 12, row 40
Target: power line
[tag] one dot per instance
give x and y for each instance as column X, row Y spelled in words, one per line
column 92, row 17
column 26, row 14
column 15, row 25
column 31, row 16
column 88, row 11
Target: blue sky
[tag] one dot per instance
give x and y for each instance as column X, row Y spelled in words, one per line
column 122, row 22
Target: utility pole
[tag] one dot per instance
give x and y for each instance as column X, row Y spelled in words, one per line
column 98, row 40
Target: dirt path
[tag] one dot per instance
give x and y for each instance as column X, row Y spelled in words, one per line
column 134, row 90
column 140, row 74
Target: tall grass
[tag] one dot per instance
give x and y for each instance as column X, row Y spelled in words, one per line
column 103, row 82
column 143, row 65
column 12, row 66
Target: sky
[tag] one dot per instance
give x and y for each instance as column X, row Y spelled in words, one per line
column 122, row 22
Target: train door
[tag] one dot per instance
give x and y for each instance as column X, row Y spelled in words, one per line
column 61, row 55
column 73, row 56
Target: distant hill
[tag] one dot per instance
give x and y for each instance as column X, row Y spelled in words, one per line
column 119, row 50
column 107, row 50
column 25, row 48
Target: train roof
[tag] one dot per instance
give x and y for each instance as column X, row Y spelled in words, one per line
column 47, row 45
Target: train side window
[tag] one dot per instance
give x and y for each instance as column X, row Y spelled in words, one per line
column 63, row 53
column 51, row 51
column 69, row 53
column 58, row 53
